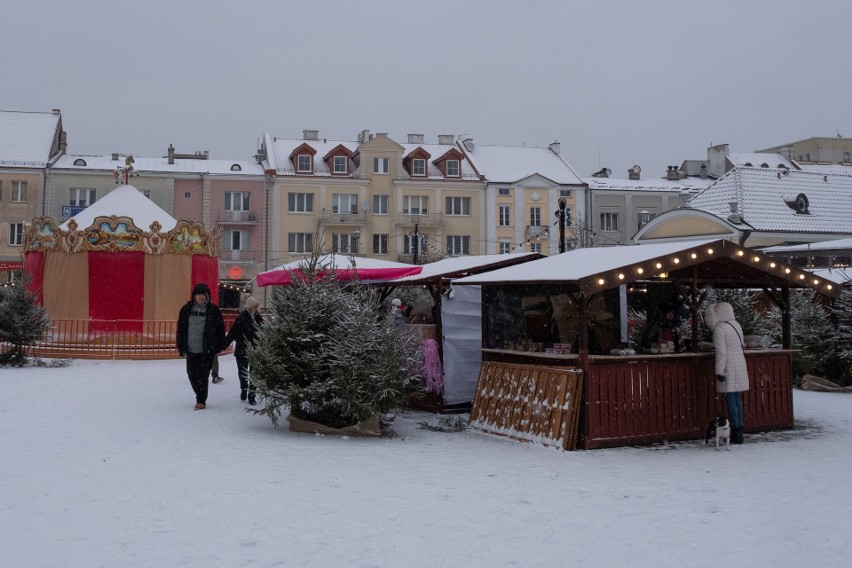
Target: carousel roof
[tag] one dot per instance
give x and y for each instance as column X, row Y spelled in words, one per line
column 124, row 201
column 717, row 262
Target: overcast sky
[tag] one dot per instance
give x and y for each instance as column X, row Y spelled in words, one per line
column 617, row 83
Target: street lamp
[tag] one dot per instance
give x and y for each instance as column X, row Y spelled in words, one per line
column 356, row 237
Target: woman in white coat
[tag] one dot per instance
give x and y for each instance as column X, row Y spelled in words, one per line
column 731, row 370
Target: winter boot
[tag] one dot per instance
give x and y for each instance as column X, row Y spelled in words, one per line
column 736, row 435
column 243, row 394
column 251, row 398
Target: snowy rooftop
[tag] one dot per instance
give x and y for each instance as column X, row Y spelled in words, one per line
column 26, row 138
column 188, row 166
column 460, row 264
column 649, row 184
column 835, row 244
column 508, row 164
column 757, row 159
column 760, row 194
column 279, row 150
column 435, row 151
column 124, row 201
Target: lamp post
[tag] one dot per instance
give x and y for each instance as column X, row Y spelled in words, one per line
column 356, row 237
column 561, row 215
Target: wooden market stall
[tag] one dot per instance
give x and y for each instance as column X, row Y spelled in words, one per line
column 567, row 311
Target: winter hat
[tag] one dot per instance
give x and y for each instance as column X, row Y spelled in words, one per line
column 396, row 302
column 252, row 302
column 201, row 288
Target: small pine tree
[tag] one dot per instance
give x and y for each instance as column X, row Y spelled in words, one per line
column 842, row 312
column 744, row 302
column 329, row 355
column 22, row 323
column 812, row 333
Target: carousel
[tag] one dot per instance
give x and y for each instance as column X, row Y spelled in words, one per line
column 104, row 279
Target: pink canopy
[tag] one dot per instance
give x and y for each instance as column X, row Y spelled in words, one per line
column 345, row 268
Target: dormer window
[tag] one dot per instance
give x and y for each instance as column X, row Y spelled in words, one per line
column 453, row 168
column 450, row 163
column 79, row 162
column 303, row 159
column 304, row 163
column 418, row 167
column 341, row 165
column 236, row 168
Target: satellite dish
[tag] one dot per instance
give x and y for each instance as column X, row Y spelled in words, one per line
column 636, row 168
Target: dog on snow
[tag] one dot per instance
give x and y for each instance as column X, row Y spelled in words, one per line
column 720, row 429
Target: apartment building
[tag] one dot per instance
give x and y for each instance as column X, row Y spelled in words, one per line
column 30, row 142
column 414, row 202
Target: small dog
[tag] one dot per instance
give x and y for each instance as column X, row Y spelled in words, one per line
column 719, row 428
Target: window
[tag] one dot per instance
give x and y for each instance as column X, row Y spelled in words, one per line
column 504, row 191
column 82, row 196
column 415, row 204
column 458, row 206
column 236, row 201
column 300, row 202
column 381, row 165
column 418, row 167
column 535, row 247
column 79, row 162
column 505, row 218
column 415, row 244
column 609, row 221
column 505, row 246
column 16, row 234
column 236, row 168
column 235, row 240
column 380, row 244
column 187, row 195
column 452, row 168
column 300, row 242
column 340, row 165
column 458, row 245
column 380, row 205
column 344, row 203
column 564, row 193
column 19, row 191
column 344, row 243
column 645, row 217
column 303, row 163
column 535, row 216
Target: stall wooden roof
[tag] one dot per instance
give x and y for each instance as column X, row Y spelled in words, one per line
column 721, row 263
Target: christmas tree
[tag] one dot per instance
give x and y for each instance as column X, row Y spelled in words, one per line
column 329, row 354
column 22, row 323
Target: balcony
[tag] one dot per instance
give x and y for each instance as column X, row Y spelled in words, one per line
column 422, row 258
column 343, row 218
column 422, row 219
column 237, row 218
column 537, row 230
column 72, row 210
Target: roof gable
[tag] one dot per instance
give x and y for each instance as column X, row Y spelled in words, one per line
column 28, row 139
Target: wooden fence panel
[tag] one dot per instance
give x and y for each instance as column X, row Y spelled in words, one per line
column 528, row 402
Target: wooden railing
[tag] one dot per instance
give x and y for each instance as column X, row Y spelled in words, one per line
column 110, row 339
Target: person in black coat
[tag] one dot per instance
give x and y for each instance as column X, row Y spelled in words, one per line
column 243, row 331
column 200, row 337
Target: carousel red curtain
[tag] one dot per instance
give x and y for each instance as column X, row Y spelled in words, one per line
column 116, row 290
column 206, row 269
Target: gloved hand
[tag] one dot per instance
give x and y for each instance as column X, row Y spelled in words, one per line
column 721, row 378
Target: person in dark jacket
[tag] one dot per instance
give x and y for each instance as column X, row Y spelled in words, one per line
column 243, row 331
column 200, row 337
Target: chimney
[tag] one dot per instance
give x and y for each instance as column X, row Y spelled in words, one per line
column 415, row 138
column 468, row 144
column 685, row 196
column 56, row 111
column 115, row 156
column 672, row 173
column 171, row 155
column 310, row 134
column 363, row 136
column 555, row 147
column 734, row 217
column 703, row 171
column 633, row 173
column 446, row 139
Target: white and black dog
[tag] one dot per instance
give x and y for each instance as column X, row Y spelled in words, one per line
column 719, row 428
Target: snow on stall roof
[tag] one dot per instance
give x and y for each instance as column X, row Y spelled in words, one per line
column 343, row 261
column 124, row 201
column 836, row 275
column 461, row 264
column 579, row 263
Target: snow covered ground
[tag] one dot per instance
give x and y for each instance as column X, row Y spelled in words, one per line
column 106, row 464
